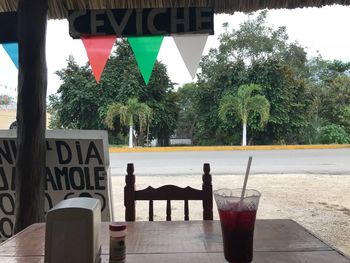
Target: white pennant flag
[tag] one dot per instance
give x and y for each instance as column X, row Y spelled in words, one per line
column 191, row 48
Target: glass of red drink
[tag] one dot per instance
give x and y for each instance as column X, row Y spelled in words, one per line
column 237, row 218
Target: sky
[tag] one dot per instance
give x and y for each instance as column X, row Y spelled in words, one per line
column 319, row 30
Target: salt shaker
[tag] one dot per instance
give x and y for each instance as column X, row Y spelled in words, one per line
column 117, row 249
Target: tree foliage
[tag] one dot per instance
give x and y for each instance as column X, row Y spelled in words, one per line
column 128, row 114
column 329, row 89
column 304, row 95
column 255, row 53
column 187, row 116
column 333, row 133
column 81, row 103
column 244, row 105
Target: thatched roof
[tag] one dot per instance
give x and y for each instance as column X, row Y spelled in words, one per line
column 58, row 8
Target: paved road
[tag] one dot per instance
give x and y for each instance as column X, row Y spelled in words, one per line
column 326, row 161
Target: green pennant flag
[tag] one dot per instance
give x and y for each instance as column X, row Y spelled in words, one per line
column 146, row 51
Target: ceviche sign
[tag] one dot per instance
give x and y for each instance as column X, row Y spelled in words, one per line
column 77, row 165
column 141, row 22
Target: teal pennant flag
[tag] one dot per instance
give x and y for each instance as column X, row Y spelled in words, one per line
column 146, row 51
column 12, row 50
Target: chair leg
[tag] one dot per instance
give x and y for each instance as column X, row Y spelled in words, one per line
column 150, row 210
column 129, row 193
column 168, row 210
column 186, row 210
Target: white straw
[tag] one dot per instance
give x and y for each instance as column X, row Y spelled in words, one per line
column 246, row 178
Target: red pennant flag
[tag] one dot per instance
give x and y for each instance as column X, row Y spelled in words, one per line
column 98, row 49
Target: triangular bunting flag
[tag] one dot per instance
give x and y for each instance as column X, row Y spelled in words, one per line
column 12, row 50
column 146, row 51
column 98, row 49
column 191, row 48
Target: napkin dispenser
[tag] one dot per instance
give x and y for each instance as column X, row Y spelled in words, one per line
column 73, row 231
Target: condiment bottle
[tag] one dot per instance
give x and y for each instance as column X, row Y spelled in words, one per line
column 117, row 249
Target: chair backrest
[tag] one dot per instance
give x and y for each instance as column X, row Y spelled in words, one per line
column 168, row 193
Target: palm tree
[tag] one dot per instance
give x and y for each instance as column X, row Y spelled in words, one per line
column 127, row 114
column 243, row 105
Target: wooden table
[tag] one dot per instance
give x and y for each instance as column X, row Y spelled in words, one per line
column 275, row 241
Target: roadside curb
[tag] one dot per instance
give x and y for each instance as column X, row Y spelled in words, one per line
column 228, row 148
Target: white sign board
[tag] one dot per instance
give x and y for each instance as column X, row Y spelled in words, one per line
column 77, row 165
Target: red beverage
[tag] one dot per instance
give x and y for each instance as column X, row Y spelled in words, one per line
column 237, row 233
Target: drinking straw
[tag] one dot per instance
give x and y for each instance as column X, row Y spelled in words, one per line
column 246, row 179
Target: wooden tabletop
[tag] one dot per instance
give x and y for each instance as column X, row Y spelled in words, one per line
column 275, row 241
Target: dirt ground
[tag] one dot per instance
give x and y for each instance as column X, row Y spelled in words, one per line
column 321, row 203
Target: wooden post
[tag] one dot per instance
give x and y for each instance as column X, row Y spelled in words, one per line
column 208, row 193
column 129, row 193
column 31, row 113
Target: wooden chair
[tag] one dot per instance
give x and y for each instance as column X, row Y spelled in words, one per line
column 168, row 193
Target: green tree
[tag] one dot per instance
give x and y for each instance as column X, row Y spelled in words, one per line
column 287, row 94
column 345, row 118
column 164, row 118
column 329, row 89
column 244, row 105
column 77, row 105
column 315, row 121
column 254, row 53
column 335, row 99
column 127, row 114
column 81, row 103
column 187, row 117
column 333, row 133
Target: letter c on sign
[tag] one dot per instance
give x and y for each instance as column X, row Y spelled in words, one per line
column 72, row 17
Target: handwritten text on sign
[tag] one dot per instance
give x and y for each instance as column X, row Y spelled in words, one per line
column 73, row 168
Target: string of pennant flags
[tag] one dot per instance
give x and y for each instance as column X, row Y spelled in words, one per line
column 145, row 48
